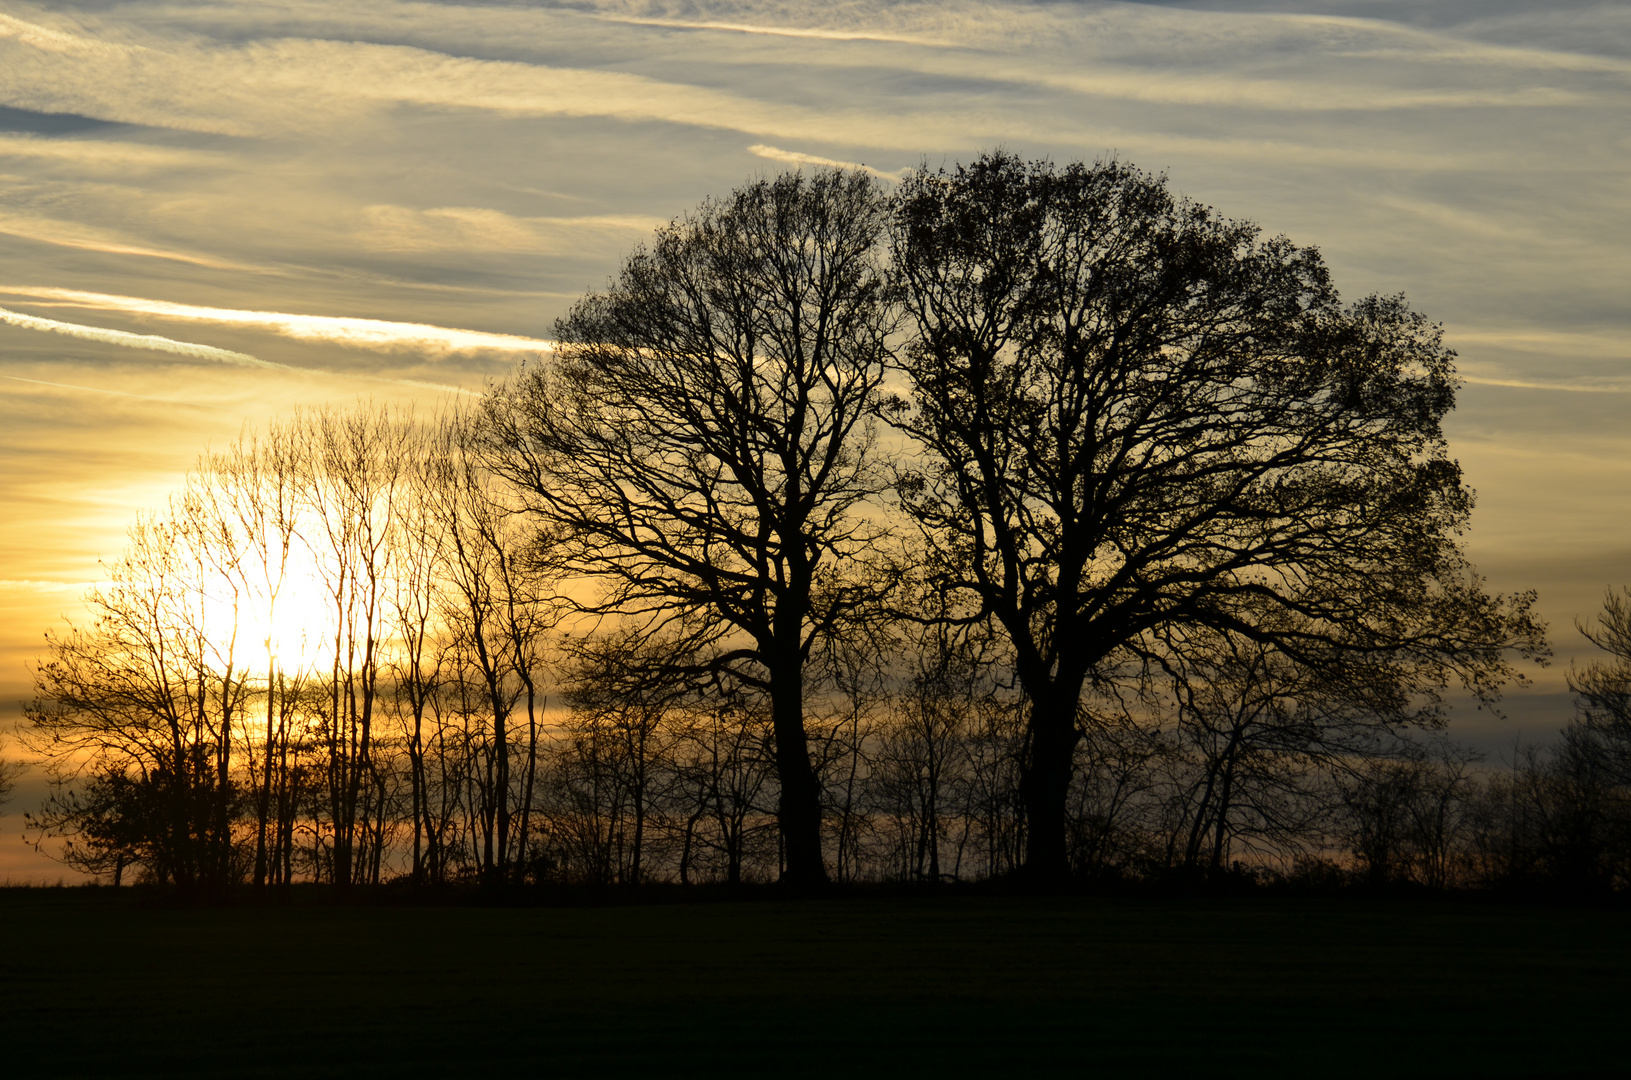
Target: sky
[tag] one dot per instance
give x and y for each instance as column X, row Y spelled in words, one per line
column 212, row 214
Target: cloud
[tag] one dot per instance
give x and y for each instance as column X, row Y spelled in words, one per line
column 26, row 585
column 294, row 86
column 72, row 234
column 196, row 351
column 792, row 157
column 822, row 33
column 338, row 330
column 1291, row 94
column 134, row 341
column 481, row 229
column 1548, row 342
column 101, row 390
column 288, row 87
column 105, row 155
column 48, row 40
column 1525, row 384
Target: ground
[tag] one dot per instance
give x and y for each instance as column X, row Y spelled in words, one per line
column 101, row 983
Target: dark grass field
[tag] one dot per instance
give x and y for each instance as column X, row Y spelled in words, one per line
column 96, row 984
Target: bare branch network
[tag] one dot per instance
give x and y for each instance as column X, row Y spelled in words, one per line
column 1023, row 521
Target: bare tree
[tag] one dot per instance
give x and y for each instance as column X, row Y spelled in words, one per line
column 134, row 715
column 1602, row 727
column 357, row 472
column 1117, row 811
column 495, row 606
column 702, row 443
column 1139, row 414
column 9, row 772
column 418, row 668
column 249, row 497
column 921, row 757
column 723, row 764
column 625, row 719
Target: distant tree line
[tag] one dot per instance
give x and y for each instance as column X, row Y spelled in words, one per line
column 1025, row 521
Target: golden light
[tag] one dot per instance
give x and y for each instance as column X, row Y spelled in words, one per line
column 271, row 620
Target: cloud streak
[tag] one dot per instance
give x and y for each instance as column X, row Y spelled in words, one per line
column 90, row 238
column 195, row 351
column 332, row 329
column 1526, row 384
column 793, row 157
column 104, row 391
column 134, row 341
column 475, row 228
column 289, row 86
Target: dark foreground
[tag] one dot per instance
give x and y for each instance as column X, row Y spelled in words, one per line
column 92, row 984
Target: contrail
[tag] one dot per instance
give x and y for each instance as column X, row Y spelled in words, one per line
column 340, row 330
column 793, row 157
column 1520, row 384
column 188, row 348
column 137, row 341
column 114, row 393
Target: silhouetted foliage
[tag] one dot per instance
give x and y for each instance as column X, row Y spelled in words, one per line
column 702, row 443
column 1601, row 732
column 143, row 702
column 1184, row 599
column 9, row 772
column 1139, row 414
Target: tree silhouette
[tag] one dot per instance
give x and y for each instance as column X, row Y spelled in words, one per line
column 142, row 705
column 702, row 440
column 9, row 772
column 1602, row 728
column 1140, row 414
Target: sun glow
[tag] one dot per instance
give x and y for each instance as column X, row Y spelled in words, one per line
column 261, row 621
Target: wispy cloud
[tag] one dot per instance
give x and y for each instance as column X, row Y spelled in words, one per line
column 104, row 391
column 1568, row 388
column 820, row 33
column 1605, row 346
column 27, row 585
column 482, row 229
column 107, row 154
column 288, row 87
column 793, row 157
column 90, row 238
column 48, row 40
column 195, row 351
column 339, row 330
column 134, row 341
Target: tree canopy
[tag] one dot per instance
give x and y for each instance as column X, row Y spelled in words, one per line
column 702, row 442
column 1027, row 518
column 1137, row 414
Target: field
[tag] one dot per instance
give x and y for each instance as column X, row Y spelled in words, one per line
column 96, row 984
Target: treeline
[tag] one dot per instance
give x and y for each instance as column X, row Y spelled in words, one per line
column 1024, row 521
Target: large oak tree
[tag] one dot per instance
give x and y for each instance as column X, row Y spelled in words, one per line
column 701, row 442
column 1138, row 414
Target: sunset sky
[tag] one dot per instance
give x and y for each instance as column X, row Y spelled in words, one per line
column 211, row 214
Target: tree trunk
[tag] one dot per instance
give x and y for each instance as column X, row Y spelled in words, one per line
column 1045, row 786
column 800, row 812
column 523, row 837
column 263, row 801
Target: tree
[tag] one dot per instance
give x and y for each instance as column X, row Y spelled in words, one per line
column 356, row 477
column 1263, row 734
column 9, row 772
column 702, row 443
column 250, row 496
column 497, row 616
column 619, row 738
column 1139, row 414
column 142, row 705
column 1602, row 727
